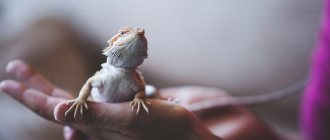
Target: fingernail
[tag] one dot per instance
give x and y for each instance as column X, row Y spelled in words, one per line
column 12, row 64
column 1, row 86
column 59, row 111
column 11, row 87
column 19, row 69
column 68, row 133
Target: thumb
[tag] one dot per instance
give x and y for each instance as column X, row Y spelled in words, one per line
column 71, row 133
column 98, row 114
column 89, row 117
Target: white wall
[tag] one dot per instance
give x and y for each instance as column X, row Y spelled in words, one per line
column 243, row 46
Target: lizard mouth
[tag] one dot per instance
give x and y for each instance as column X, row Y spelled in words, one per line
column 110, row 42
column 106, row 49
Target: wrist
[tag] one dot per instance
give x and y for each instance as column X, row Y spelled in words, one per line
column 201, row 132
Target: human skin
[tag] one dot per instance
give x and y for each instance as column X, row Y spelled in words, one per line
column 117, row 121
column 103, row 121
column 316, row 103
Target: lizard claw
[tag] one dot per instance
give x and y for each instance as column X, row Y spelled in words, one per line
column 138, row 103
column 77, row 106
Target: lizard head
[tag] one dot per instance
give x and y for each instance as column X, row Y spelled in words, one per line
column 127, row 49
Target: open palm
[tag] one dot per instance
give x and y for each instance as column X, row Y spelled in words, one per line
column 103, row 120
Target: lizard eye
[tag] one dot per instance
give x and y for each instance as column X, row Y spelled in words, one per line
column 121, row 32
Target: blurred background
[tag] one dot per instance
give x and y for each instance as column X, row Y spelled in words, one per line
column 244, row 47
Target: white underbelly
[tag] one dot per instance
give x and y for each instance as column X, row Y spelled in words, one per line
column 112, row 94
column 116, row 86
column 97, row 96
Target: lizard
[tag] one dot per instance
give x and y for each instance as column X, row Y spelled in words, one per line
column 118, row 80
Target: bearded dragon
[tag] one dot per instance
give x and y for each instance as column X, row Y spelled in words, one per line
column 118, row 80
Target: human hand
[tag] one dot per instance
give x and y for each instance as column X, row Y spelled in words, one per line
column 102, row 120
column 227, row 122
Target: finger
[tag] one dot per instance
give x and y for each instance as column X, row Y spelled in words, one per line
column 192, row 94
column 11, row 87
column 88, row 118
column 96, row 115
column 35, row 100
column 115, row 116
column 73, row 134
column 57, row 92
column 29, row 76
column 33, row 79
column 116, row 119
column 119, row 121
column 200, row 100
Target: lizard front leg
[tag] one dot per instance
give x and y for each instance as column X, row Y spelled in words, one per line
column 139, row 100
column 79, row 103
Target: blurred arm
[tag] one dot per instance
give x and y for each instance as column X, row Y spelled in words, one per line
column 316, row 105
